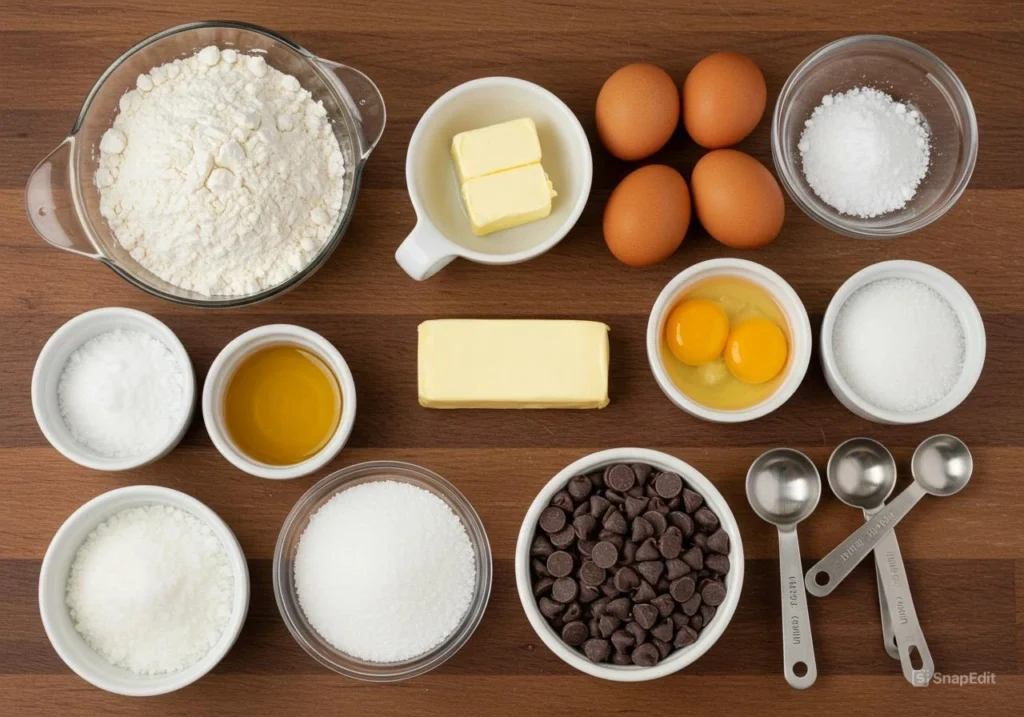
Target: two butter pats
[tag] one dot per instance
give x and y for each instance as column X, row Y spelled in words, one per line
column 503, row 183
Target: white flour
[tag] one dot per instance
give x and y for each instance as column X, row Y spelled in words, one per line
column 220, row 174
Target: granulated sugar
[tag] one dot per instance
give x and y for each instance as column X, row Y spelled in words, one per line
column 385, row 571
column 899, row 345
column 864, row 153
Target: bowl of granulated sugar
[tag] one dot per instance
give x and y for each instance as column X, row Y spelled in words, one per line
column 382, row 571
column 874, row 137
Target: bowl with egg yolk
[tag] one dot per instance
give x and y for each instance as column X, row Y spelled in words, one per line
column 728, row 340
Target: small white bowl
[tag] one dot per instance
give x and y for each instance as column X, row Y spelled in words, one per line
column 679, row 658
column 789, row 303
column 69, row 644
column 224, row 366
column 50, row 365
column 961, row 302
column 442, row 230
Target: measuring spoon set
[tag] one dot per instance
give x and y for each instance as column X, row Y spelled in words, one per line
column 783, row 488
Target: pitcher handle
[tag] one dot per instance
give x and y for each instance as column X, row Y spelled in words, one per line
column 424, row 252
column 363, row 100
column 50, row 202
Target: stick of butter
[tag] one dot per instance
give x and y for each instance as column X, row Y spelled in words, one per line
column 507, row 199
column 502, row 146
column 482, row 363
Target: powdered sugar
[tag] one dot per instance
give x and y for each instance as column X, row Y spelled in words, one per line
column 863, row 153
column 221, row 174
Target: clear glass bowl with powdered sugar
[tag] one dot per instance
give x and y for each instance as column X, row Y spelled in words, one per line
column 63, row 200
column 295, row 525
column 909, row 74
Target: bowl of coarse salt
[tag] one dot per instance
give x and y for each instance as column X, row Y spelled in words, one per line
column 143, row 590
column 113, row 389
column 902, row 342
column 874, row 137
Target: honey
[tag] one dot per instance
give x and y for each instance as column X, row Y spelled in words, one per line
column 282, row 404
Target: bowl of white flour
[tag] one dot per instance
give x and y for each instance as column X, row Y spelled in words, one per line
column 213, row 164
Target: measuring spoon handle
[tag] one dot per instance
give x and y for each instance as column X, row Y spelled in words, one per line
column 909, row 636
column 831, row 570
column 797, row 645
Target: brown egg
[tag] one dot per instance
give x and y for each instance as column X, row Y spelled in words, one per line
column 637, row 111
column 647, row 215
column 723, row 99
column 737, row 199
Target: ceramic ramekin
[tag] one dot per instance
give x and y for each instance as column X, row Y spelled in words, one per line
column 679, row 658
column 50, row 365
column 442, row 231
column 60, row 630
column 957, row 297
column 789, row 303
column 224, row 367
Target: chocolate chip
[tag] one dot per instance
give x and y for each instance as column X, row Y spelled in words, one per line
column 657, row 521
column 639, row 634
column 614, row 498
column 658, row 505
column 670, row 543
column 700, row 539
column 620, row 477
column 619, row 607
column 626, row 579
column 596, row 479
column 665, row 604
column 676, row 568
column 682, row 588
column 607, row 624
column 651, row 570
column 713, row 593
column 674, row 503
column 608, row 588
column 613, row 538
column 622, row 640
column 664, row 630
column 549, row 608
column 591, row 573
column 598, row 506
column 707, row 612
column 588, row 594
column 580, row 487
column 691, row 500
column 694, row 558
column 592, row 626
column 697, row 622
column 586, row 547
column 691, row 606
column 560, row 564
column 645, row 614
column 642, row 471
column 542, row 586
column 552, row 519
column 564, row 590
column 541, row 546
column 581, row 509
column 706, row 519
column 719, row 542
column 642, row 529
column 540, row 568
column 663, row 647
column 682, row 521
column 679, row 619
column 573, row 612
column 636, row 491
column 615, row 521
column 598, row 607
column 718, row 563
column 635, row 506
column 605, row 554
column 597, row 650
column 574, row 633
column 644, row 593
column 668, row 485
column 648, row 550
column 621, row 658
column 563, row 538
column 645, row 655
column 628, row 556
column 685, row 636
column 584, row 525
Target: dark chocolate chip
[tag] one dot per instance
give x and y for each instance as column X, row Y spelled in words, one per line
column 694, row 558
column 614, row 538
column 635, row 506
column 619, row 477
column 598, row 607
column 664, row 630
column 639, row 634
column 679, row 619
column 592, row 626
column 542, row 586
column 575, row 633
column 581, row 509
column 657, row 521
column 697, row 622
column 713, row 593
column 598, row 506
column 597, row 650
column 619, row 607
column 565, row 590
column 541, row 546
column 636, row 491
column 670, row 543
column 663, row 647
column 621, row 658
column 626, row 579
column 676, row 568
column 540, row 568
column 691, row 606
column 685, row 636
column 615, row 498
column 585, row 547
column 628, row 556
column 615, row 521
column 642, row 529
column 597, row 478
column 608, row 588
column 563, row 538
column 644, row 593
column 588, row 594
column 573, row 612
column 682, row 521
column 651, row 570
column 674, row 503
column 648, row 550
column 560, row 564
column 579, row 487
column 642, row 471
column 645, row 655
column 691, row 500
column 607, row 624
column 718, row 563
column 682, row 588
column 707, row 612
column 552, row 519
column 706, row 519
column 645, row 614
column 668, row 485
column 700, row 539
column 584, row 525
column 622, row 640
column 591, row 573
column 658, row 505
column 605, row 554
column 665, row 604
column 549, row 608
column 719, row 542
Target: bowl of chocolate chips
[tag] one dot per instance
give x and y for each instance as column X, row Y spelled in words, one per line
column 629, row 564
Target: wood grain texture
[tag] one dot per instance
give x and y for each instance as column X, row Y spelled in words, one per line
column 965, row 556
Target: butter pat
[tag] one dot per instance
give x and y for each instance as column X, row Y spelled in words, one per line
column 507, row 199
column 484, row 151
column 480, row 363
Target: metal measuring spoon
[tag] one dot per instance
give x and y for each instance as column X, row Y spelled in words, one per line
column 941, row 465
column 783, row 488
column 862, row 474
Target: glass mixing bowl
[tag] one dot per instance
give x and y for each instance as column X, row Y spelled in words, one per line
column 62, row 199
column 908, row 73
column 284, row 570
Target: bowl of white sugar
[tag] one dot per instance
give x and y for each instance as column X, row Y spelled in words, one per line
column 902, row 342
column 143, row 590
column 874, row 136
column 382, row 571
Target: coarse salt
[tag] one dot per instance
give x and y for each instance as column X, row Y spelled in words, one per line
column 899, row 345
column 385, row 571
column 863, row 153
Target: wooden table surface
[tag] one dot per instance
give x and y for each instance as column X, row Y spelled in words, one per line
column 965, row 556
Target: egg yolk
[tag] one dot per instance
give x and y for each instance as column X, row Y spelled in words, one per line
column 756, row 351
column 696, row 331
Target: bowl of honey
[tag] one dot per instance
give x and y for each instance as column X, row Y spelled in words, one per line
column 279, row 401
column 728, row 340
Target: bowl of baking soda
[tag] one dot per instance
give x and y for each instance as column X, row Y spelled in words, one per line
column 874, row 136
column 382, row 571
